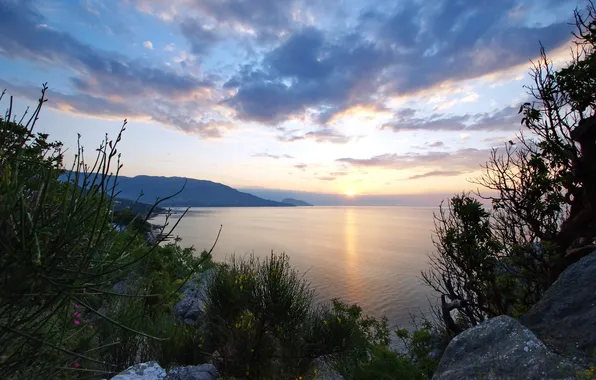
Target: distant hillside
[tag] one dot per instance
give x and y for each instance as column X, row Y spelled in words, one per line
column 295, row 202
column 136, row 207
column 196, row 193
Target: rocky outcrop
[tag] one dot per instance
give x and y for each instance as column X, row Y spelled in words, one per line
column 201, row 372
column 501, row 348
column 153, row 371
column 142, row 371
column 565, row 317
column 190, row 308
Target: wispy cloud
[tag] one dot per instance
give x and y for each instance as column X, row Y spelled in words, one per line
column 505, row 119
column 322, row 135
column 148, row 45
column 463, row 159
column 273, row 156
column 438, row 173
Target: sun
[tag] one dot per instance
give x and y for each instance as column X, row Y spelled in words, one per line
column 350, row 193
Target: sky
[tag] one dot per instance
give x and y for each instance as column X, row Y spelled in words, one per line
column 348, row 97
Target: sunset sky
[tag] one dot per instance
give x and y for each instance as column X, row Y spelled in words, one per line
column 334, row 96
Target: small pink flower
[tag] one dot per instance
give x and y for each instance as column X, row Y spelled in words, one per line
column 77, row 314
column 76, row 305
column 77, row 322
column 76, row 364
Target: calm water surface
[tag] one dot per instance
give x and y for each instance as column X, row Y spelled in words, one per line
column 369, row 255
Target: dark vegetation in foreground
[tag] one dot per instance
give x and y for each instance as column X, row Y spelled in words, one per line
column 82, row 298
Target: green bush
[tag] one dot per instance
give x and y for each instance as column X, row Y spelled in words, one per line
column 60, row 257
column 262, row 322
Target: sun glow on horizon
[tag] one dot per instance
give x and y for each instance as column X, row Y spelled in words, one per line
column 350, row 193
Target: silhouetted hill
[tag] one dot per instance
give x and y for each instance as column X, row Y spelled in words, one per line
column 295, row 202
column 196, row 193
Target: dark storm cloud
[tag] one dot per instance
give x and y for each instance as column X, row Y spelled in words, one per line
column 505, row 119
column 415, row 47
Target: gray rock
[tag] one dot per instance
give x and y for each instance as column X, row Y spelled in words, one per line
column 142, row 371
column 190, row 308
column 565, row 316
column 501, row 348
column 201, row 372
column 325, row 371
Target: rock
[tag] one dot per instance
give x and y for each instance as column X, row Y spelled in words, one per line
column 501, row 348
column 152, row 371
column 142, row 371
column 201, row 372
column 565, row 316
column 190, row 308
column 324, row 371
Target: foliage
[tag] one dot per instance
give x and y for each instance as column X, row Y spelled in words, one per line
column 466, row 265
column 543, row 195
column 61, row 257
column 82, row 298
column 129, row 219
column 424, row 347
column 262, row 322
column 385, row 364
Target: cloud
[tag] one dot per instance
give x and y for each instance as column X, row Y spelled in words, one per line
column 321, row 135
column 198, row 35
column 417, row 47
column 107, row 84
column 273, row 156
column 169, row 47
column 301, row 166
column 306, row 71
column 436, row 144
column 505, row 119
column 148, row 45
column 338, row 174
column 326, row 178
column 463, row 159
column 98, row 71
column 294, row 60
column 438, row 173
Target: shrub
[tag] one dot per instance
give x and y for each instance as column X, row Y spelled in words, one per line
column 262, row 323
column 60, row 257
column 543, row 197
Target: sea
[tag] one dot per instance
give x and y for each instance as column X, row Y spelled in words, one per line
column 372, row 256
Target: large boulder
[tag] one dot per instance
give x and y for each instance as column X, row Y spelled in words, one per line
column 501, row 348
column 190, row 307
column 142, row 371
column 565, row 317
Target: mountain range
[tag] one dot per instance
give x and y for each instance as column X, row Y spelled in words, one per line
column 193, row 192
